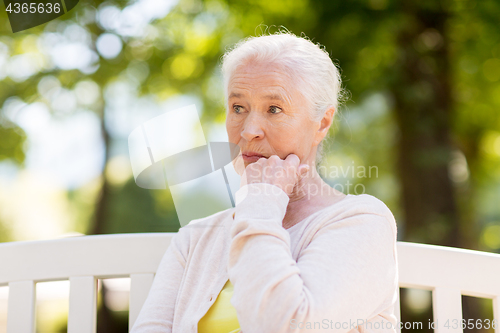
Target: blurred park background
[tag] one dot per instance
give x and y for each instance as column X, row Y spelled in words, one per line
column 424, row 83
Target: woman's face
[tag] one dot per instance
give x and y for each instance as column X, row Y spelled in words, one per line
column 267, row 115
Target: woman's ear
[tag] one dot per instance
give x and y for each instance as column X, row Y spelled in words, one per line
column 324, row 125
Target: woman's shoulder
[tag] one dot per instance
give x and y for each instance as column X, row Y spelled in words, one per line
column 366, row 203
column 353, row 216
column 352, row 209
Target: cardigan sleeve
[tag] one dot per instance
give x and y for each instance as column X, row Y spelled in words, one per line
column 157, row 313
column 344, row 275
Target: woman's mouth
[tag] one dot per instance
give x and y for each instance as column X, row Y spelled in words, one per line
column 251, row 157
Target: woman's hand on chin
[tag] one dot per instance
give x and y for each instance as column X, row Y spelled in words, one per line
column 273, row 170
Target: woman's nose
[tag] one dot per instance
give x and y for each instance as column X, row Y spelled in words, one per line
column 252, row 128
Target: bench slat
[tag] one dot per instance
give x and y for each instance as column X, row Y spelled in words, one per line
column 103, row 256
column 140, row 284
column 425, row 266
column 82, row 316
column 447, row 306
column 397, row 312
column 85, row 259
column 21, row 307
column 496, row 312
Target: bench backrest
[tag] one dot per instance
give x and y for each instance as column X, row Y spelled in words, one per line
column 447, row 272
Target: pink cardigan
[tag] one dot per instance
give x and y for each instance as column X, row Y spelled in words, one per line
column 332, row 271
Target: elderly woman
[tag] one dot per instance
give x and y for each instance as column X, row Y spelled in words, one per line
column 294, row 255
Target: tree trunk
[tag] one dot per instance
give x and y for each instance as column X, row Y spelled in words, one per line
column 105, row 319
column 105, row 322
column 423, row 107
column 99, row 217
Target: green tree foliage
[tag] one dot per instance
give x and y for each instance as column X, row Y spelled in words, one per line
column 423, row 80
column 11, row 146
column 369, row 39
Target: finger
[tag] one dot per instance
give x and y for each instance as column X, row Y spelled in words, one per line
column 274, row 159
column 292, row 163
column 293, row 159
column 262, row 160
column 303, row 169
column 302, row 172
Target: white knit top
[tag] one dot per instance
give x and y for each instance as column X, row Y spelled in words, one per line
column 335, row 271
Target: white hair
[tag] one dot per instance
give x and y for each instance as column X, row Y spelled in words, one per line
column 309, row 64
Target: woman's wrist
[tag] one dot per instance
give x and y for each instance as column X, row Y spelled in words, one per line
column 259, row 189
column 261, row 200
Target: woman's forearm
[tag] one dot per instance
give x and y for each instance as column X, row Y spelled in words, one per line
column 157, row 313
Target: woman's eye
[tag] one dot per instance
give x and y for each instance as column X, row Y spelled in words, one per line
column 237, row 109
column 275, row 109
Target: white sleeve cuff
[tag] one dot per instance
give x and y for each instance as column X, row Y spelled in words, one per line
column 261, row 200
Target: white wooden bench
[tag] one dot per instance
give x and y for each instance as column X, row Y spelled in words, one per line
column 447, row 272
